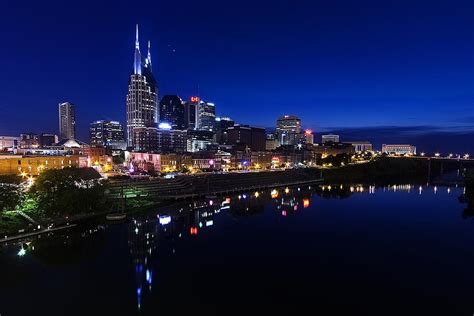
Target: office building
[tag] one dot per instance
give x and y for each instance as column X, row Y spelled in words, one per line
column 399, row 149
column 244, row 136
column 288, row 129
column 142, row 110
column 190, row 112
column 145, row 139
column 67, row 121
column 221, row 125
column 47, row 140
column 108, row 134
column 170, row 140
column 308, row 136
column 199, row 140
column 361, row 146
column 172, row 112
column 9, row 142
column 330, row 138
column 206, row 116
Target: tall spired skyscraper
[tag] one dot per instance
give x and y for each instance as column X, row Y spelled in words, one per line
column 142, row 109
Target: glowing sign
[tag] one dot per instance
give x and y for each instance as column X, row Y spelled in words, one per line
column 195, row 99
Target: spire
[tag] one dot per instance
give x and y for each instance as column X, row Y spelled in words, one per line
column 148, row 58
column 137, row 63
column 137, row 43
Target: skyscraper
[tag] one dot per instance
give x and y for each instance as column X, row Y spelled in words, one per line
column 67, row 121
column 288, row 129
column 142, row 110
column 108, row 134
column 172, row 112
column 206, row 116
column 190, row 112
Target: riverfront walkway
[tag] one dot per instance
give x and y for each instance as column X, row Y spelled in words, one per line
column 195, row 186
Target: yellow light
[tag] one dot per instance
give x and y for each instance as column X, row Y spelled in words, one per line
column 23, row 174
column 274, row 193
column 257, row 194
column 287, row 190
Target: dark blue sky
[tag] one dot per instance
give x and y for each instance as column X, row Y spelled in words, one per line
column 337, row 64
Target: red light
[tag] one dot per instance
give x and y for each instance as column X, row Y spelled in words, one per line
column 283, row 213
column 227, row 200
column 194, row 99
column 305, row 203
column 193, row 231
column 308, row 132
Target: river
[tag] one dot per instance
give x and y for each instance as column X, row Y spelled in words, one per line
column 351, row 250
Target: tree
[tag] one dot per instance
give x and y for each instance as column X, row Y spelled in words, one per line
column 10, row 193
column 69, row 191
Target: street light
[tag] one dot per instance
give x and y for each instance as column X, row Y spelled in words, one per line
column 437, row 154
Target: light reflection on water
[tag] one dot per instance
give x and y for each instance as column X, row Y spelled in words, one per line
column 158, row 234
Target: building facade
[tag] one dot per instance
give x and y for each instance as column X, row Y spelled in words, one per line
column 329, row 138
column 206, row 116
column 9, row 142
column 67, row 121
column 109, row 134
column 243, row 136
column 172, row 112
column 34, row 165
column 288, row 129
column 403, row 149
column 142, row 110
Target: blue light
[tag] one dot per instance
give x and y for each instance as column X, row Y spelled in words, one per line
column 245, row 162
column 164, row 125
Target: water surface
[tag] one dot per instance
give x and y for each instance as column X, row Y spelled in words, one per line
column 400, row 250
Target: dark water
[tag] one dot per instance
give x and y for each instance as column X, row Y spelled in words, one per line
column 384, row 251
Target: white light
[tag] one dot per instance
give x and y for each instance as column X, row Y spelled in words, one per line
column 22, row 252
column 209, row 223
column 164, row 125
column 165, row 220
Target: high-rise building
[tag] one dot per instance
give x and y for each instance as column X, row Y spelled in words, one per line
column 67, row 121
column 171, row 140
column 288, row 130
column 206, row 116
column 108, row 134
column 190, row 112
column 247, row 136
column 172, row 112
column 221, row 126
column 142, row 110
column 308, row 136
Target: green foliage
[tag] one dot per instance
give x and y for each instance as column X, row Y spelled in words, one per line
column 69, row 191
column 10, row 196
column 382, row 170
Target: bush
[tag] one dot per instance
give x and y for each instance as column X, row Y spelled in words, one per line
column 69, row 191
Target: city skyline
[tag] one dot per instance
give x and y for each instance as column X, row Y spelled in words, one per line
column 419, row 106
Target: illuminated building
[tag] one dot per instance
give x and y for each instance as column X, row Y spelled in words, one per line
column 145, row 139
column 29, row 140
column 247, row 136
column 142, row 111
column 222, row 124
column 172, row 112
column 170, row 140
column 333, row 149
column 361, row 146
column 308, row 137
column 199, row 140
column 288, row 129
column 33, row 165
column 108, row 134
column 329, row 138
column 206, row 116
column 47, row 140
column 271, row 143
column 67, row 121
column 399, row 149
column 8, row 142
column 190, row 112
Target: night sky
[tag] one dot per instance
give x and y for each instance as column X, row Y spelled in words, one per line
column 385, row 71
